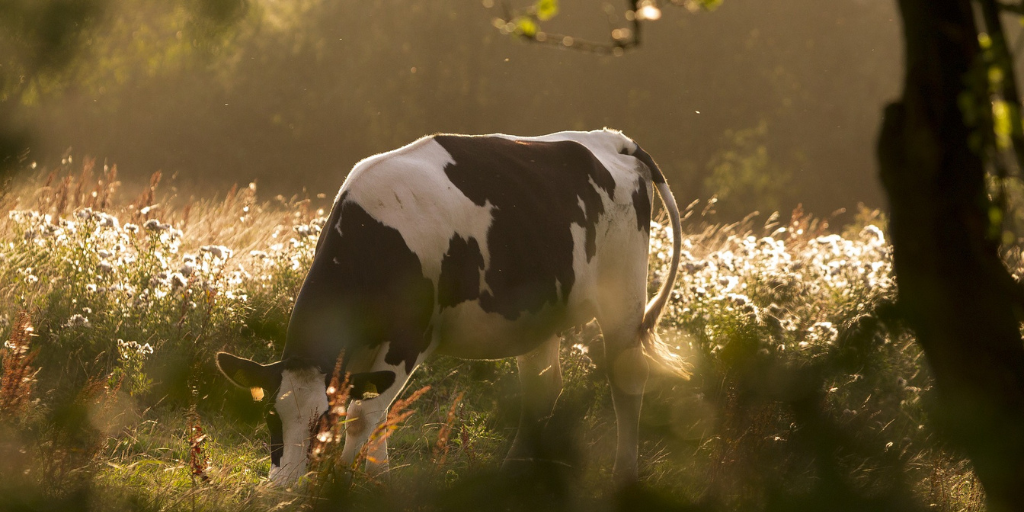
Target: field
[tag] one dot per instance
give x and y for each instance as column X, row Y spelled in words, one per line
column 807, row 392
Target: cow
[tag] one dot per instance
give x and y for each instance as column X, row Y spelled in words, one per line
column 478, row 247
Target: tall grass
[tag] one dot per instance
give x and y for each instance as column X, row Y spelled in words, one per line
column 807, row 389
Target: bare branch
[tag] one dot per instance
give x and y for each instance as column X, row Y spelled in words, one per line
column 525, row 26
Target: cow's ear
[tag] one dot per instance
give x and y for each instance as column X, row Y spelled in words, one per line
column 250, row 374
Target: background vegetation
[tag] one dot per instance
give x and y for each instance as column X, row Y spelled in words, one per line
column 291, row 94
column 114, row 307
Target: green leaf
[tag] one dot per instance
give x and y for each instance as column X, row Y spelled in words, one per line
column 526, row 26
column 546, row 9
column 1002, row 124
column 995, row 219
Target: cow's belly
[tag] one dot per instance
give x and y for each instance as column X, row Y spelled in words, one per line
column 469, row 332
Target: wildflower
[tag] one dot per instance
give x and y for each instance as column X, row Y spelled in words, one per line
column 107, row 220
column 155, row 225
column 131, row 228
column 84, row 213
column 103, row 253
column 78, row 320
column 872, row 230
column 105, row 267
column 823, row 331
column 90, row 288
column 129, row 349
column 187, row 268
column 178, row 281
column 218, row 251
column 31, row 279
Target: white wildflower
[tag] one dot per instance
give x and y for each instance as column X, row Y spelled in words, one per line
column 178, row 281
column 218, row 251
column 155, row 225
column 78, row 320
column 107, row 220
column 187, row 268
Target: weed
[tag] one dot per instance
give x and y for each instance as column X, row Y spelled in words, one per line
column 18, row 377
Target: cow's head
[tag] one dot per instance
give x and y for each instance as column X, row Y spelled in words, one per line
column 295, row 398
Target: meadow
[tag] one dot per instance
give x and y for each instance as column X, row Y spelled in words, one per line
column 808, row 393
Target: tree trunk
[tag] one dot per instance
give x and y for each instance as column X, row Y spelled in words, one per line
column 953, row 288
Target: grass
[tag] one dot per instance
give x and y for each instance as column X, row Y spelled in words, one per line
column 807, row 389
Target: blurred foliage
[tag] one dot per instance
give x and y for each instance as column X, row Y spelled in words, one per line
column 49, row 46
column 292, row 93
column 745, row 178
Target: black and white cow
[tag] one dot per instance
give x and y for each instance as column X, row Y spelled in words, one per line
column 479, row 247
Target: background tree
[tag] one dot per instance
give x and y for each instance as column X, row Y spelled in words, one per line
column 935, row 146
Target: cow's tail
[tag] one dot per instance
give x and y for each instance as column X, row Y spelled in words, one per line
column 656, row 349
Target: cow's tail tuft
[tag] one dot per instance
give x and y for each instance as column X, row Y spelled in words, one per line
column 655, row 348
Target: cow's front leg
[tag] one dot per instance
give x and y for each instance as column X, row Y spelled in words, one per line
column 364, row 418
column 541, row 379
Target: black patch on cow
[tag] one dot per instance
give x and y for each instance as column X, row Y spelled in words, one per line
column 365, row 287
column 642, row 206
column 536, row 189
column 656, row 176
column 460, row 272
column 370, row 382
column 276, row 435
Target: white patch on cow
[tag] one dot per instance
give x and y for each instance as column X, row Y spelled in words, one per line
column 300, row 401
column 583, row 206
column 409, row 191
column 461, row 328
column 581, row 268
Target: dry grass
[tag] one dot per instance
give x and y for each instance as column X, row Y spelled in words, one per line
column 18, row 377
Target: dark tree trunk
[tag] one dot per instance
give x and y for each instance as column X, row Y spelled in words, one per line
column 955, row 292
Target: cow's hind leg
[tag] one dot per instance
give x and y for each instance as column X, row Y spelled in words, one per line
column 627, row 369
column 541, row 377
